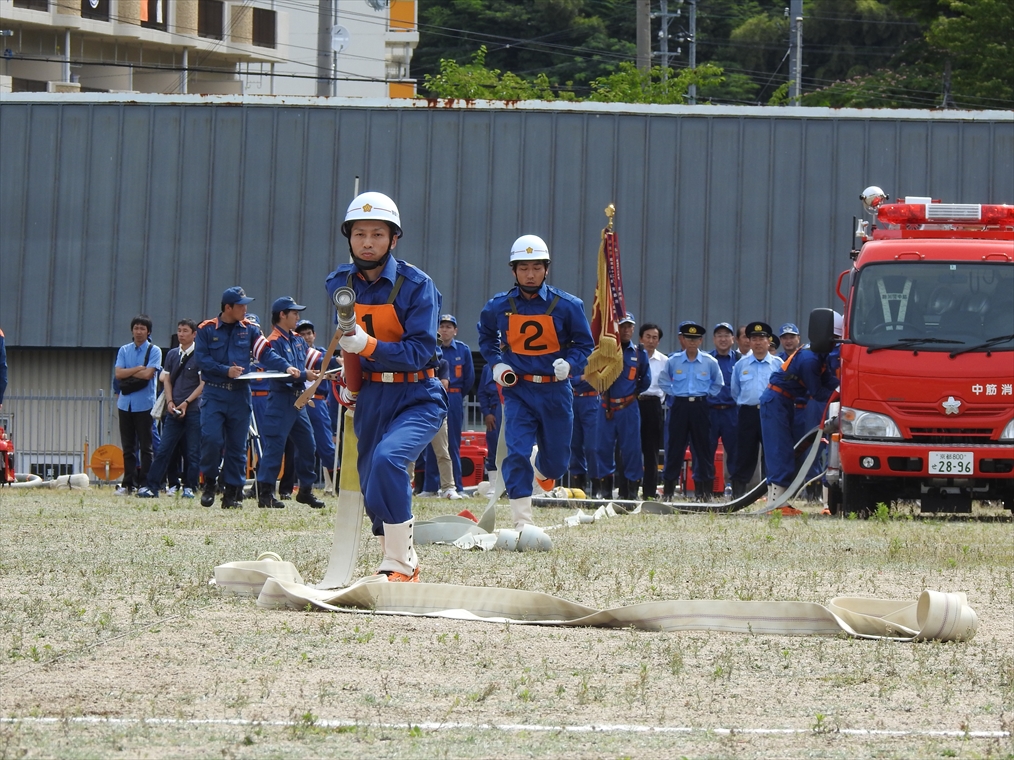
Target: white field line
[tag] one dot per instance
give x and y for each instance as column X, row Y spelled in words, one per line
column 445, row 726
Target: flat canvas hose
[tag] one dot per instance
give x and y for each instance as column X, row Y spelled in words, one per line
column 933, row 616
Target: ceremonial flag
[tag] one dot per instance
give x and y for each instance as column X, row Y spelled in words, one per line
column 606, row 362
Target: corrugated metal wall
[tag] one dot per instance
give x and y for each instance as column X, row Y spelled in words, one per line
column 112, row 208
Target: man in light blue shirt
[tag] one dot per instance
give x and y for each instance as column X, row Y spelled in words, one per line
column 749, row 380
column 137, row 363
column 688, row 378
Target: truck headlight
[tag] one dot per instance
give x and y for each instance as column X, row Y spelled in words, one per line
column 1007, row 434
column 856, row 423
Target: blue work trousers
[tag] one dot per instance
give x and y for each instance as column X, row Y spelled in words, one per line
column 724, row 423
column 622, row 431
column 455, row 420
column 320, row 421
column 394, row 422
column 225, row 424
column 777, row 414
column 283, row 420
column 174, row 430
column 584, row 453
column 537, row 413
column 493, row 438
column 688, row 422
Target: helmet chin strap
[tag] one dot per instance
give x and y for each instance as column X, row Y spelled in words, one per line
column 366, row 266
column 529, row 289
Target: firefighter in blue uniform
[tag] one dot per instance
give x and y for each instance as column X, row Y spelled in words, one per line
column 224, row 348
column 621, row 425
column 723, row 413
column 804, row 375
column 401, row 405
column 688, row 379
column 460, row 378
column 545, row 338
column 320, row 412
column 586, row 467
column 492, row 414
column 282, row 419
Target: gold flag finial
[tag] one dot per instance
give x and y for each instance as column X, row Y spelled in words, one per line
column 610, row 213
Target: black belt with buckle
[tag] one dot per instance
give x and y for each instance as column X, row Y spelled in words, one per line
column 222, row 386
column 690, row 398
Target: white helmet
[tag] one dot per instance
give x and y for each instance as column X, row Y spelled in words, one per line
column 839, row 325
column 529, row 248
column 372, row 206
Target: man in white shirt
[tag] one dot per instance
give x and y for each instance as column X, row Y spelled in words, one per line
column 652, row 410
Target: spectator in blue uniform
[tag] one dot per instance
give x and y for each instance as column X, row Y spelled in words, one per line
column 788, row 338
column 749, row 381
column 320, row 412
column 492, row 414
column 722, row 412
column 586, row 466
column 282, row 418
column 621, row 426
column 401, row 404
column 689, row 378
column 224, row 349
column 535, row 336
column 460, row 379
column 804, row 375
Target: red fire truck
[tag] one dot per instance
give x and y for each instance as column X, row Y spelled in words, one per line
column 927, row 358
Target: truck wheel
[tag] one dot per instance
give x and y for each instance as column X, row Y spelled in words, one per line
column 857, row 496
column 834, row 499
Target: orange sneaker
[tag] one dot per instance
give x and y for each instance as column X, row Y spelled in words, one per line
column 789, row 511
column 396, row 577
column 546, row 484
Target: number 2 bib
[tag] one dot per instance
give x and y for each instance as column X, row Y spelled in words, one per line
column 532, row 334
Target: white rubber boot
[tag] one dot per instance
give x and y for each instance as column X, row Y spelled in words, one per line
column 775, row 492
column 399, row 551
column 521, row 509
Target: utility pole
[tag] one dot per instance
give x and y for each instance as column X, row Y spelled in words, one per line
column 664, row 56
column 795, row 51
column 643, row 21
column 325, row 19
column 692, row 92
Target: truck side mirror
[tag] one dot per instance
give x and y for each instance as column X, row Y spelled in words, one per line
column 821, row 331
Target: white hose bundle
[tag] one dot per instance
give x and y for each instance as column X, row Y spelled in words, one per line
column 78, row 481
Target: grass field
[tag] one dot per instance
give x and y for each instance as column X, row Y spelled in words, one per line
column 114, row 645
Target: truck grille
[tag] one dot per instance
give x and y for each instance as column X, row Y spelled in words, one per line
column 951, row 436
column 935, row 409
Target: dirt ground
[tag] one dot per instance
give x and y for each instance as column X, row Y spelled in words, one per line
column 114, row 644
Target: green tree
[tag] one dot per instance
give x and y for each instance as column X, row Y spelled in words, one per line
column 474, row 81
column 630, row 85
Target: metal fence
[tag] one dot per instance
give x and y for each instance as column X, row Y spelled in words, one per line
column 56, row 434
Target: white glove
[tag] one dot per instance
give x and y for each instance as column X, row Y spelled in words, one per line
column 347, row 398
column 562, row 369
column 356, row 342
column 504, row 375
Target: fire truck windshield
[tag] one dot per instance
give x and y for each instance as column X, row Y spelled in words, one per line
column 956, row 307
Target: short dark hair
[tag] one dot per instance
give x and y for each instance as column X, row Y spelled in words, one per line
column 741, row 331
column 188, row 322
column 141, row 319
column 649, row 326
column 275, row 316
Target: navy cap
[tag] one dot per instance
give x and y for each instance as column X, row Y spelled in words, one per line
column 235, row 295
column 789, row 328
column 285, row 303
column 448, row 318
column 253, row 318
column 758, row 329
column 691, row 330
column 628, row 319
column 723, row 326
column 305, row 323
